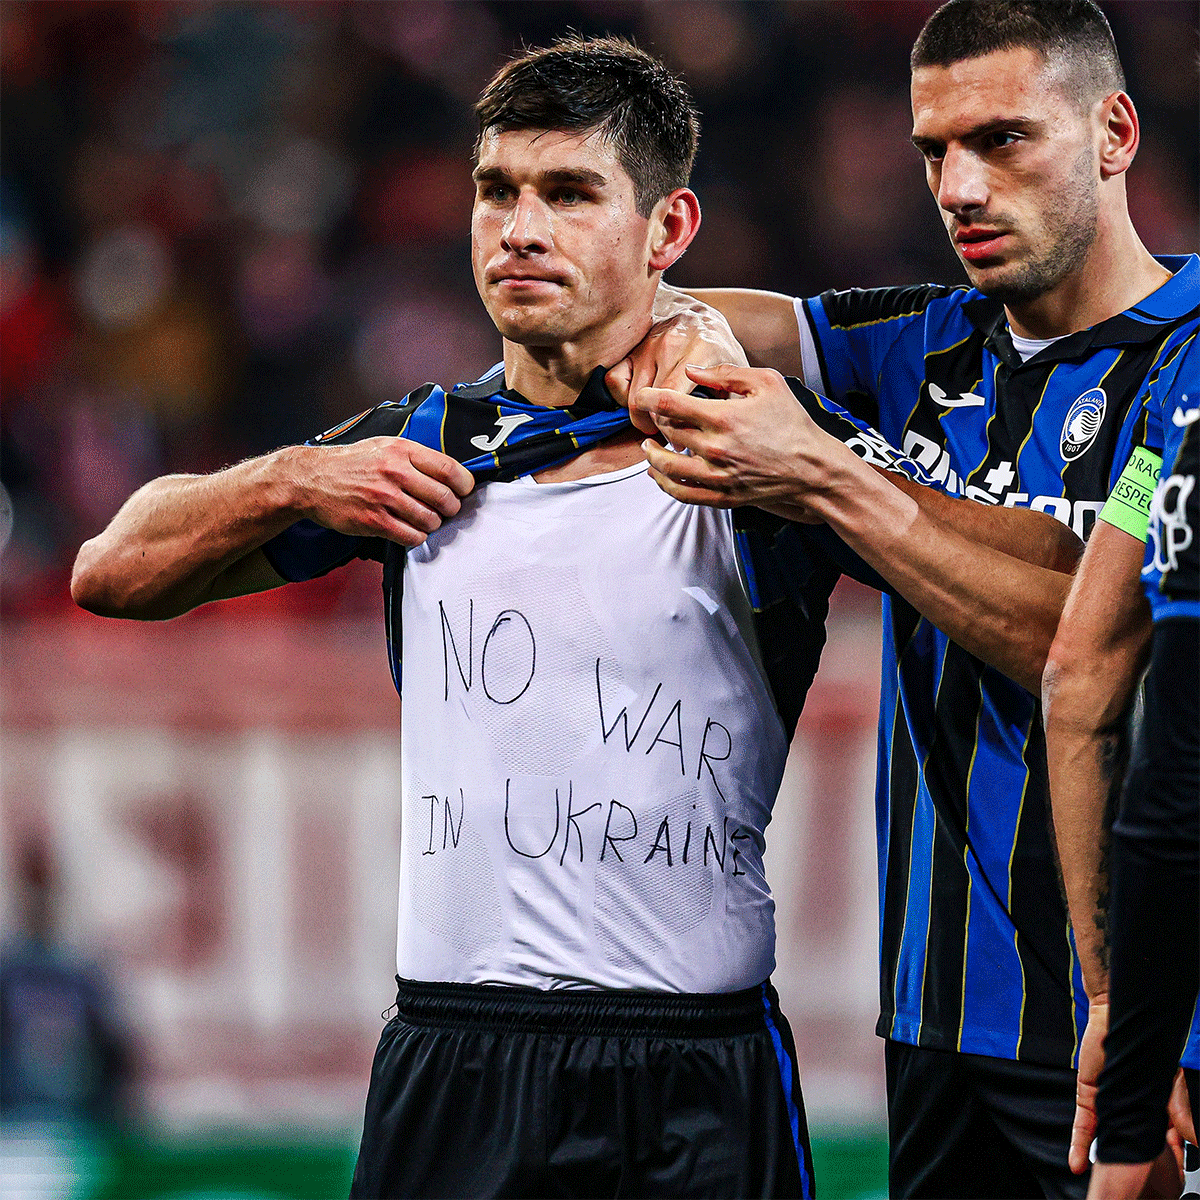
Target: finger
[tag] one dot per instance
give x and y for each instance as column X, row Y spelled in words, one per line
column 441, row 467
column 681, row 409
column 726, row 377
column 671, row 373
column 690, row 468
column 617, row 380
column 410, row 512
column 428, row 490
column 690, row 493
column 1083, row 1129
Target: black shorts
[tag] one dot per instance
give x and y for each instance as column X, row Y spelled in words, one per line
column 967, row 1125
column 490, row 1091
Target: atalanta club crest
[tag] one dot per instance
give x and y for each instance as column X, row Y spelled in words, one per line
column 1082, row 424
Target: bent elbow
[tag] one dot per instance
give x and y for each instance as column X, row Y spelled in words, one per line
column 97, row 585
column 87, row 589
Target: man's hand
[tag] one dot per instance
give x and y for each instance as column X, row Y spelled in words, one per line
column 384, row 487
column 184, row 540
column 1161, row 1177
column 1091, row 1062
column 684, row 332
column 757, row 446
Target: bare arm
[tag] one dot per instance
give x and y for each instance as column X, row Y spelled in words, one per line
column 1093, row 667
column 184, row 540
column 763, row 322
column 942, row 555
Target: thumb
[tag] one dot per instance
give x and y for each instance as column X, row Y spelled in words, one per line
column 618, row 379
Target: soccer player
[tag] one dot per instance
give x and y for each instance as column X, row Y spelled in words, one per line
column 1134, row 597
column 1025, row 390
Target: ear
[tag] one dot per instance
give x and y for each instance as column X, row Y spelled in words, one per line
column 673, row 223
column 1119, row 134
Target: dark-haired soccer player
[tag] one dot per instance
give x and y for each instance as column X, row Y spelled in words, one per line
column 596, row 719
column 1028, row 389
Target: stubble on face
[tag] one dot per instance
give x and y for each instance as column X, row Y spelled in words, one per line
column 1068, row 228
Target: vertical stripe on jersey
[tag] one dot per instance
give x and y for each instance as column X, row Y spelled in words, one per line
column 1032, row 421
column 427, row 425
column 1038, row 911
column 908, row 821
column 995, row 801
column 967, row 867
column 1008, row 896
column 946, row 764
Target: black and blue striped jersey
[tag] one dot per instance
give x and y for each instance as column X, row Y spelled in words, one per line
column 976, row 950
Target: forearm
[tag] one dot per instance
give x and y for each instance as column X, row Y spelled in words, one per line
column 1034, row 537
column 1094, row 664
column 175, row 539
column 999, row 607
column 764, row 323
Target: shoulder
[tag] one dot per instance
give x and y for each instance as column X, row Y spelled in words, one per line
column 388, row 419
column 856, row 308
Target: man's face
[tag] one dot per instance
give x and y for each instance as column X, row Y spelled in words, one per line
column 1011, row 160
column 558, row 248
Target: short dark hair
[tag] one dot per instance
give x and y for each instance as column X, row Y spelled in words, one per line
column 604, row 83
column 1075, row 32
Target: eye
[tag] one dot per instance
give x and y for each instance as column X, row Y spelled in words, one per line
column 932, row 152
column 998, row 139
column 568, row 195
column 495, row 193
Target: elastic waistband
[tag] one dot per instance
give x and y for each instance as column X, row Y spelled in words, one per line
column 587, row 1013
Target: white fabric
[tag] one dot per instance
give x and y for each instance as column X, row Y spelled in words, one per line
column 578, row 661
column 809, row 360
column 1028, row 347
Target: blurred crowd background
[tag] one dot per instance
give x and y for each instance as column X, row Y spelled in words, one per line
column 225, row 227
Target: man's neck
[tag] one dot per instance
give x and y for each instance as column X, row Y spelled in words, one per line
column 555, row 375
column 1117, row 273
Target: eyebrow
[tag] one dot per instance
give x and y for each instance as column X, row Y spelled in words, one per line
column 1021, row 124
column 580, row 176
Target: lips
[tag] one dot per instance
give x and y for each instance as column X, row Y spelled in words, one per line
column 977, row 244
column 518, row 278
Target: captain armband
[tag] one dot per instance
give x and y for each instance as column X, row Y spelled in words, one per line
column 1128, row 505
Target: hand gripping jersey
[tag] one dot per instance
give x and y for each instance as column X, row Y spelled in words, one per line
column 567, row 822
column 976, row 950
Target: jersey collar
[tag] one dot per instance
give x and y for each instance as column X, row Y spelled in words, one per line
column 593, row 398
column 1177, row 299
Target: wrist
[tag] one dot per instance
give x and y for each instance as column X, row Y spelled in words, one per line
column 285, row 478
column 850, row 494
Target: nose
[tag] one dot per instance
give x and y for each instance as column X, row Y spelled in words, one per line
column 962, row 181
column 527, row 227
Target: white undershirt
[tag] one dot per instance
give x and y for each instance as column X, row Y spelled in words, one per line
column 1028, row 347
column 531, row 621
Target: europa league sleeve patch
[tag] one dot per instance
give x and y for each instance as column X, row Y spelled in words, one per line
column 1128, row 505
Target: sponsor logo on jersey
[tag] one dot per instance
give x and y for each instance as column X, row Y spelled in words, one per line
column 1184, row 416
column 505, row 425
column 997, row 486
column 966, row 400
column 1082, row 424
